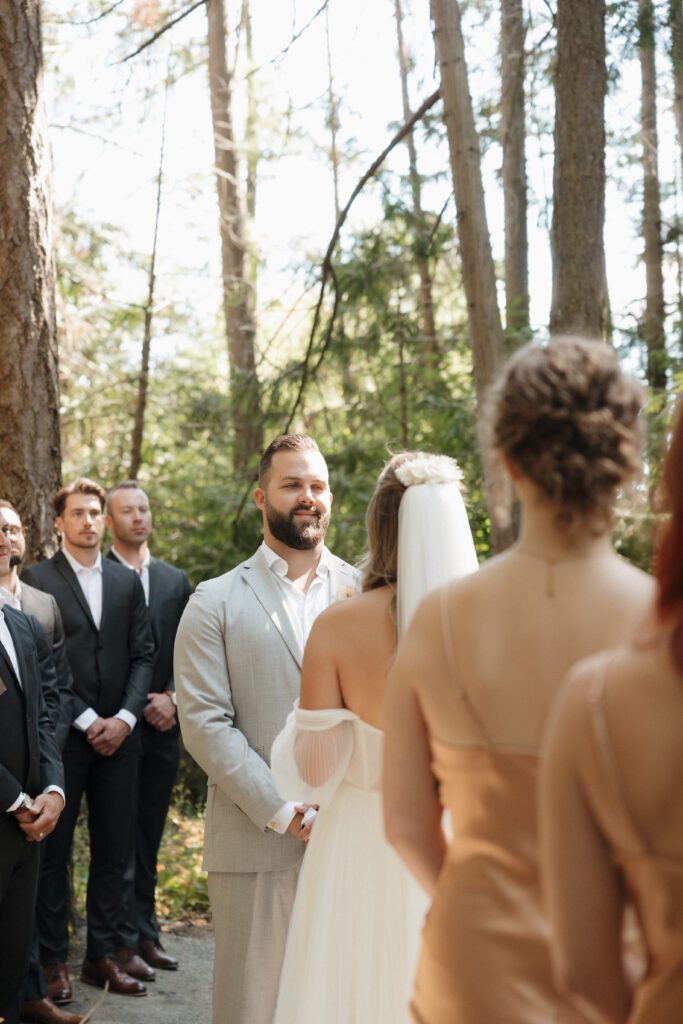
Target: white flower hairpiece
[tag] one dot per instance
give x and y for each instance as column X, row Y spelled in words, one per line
column 430, row 469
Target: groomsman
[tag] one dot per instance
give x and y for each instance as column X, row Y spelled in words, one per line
column 36, row 1005
column 43, row 608
column 111, row 655
column 237, row 672
column 167, row 590
column 31, row 788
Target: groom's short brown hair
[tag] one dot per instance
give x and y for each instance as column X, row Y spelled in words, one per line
column 283, row 443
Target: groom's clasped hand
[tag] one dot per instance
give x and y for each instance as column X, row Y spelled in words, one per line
column 301, row 826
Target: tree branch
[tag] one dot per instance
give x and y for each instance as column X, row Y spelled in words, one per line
column 290, row 44
column 161, row 31
column 328, row 272
column 327, row 269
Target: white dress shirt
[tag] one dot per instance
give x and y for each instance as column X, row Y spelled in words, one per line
column 143, row 573
column 90, row 581
column 303, row 608
column 8, row 643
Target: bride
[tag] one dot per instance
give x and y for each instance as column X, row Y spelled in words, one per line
column 354, row 933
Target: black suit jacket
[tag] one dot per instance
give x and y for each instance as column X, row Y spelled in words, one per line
column 111, row 666
column 44, row 610
column 44, row 763
column 169, row 592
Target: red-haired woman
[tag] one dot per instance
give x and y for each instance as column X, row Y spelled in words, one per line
column 612, row 806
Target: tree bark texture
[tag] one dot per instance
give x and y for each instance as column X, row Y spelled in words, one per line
column 30, row 468
column 579, row 293
column 513, row 138
column 427, row 324
column 478, row 273
column 653, row 321
column 237, row 293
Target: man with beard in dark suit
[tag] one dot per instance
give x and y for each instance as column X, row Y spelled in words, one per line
column 37, row 1007
column 167, row 590
column 31, row 787
column 111, row 655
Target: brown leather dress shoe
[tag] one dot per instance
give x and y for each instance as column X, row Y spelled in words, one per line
column 58, row 983
column 98, row 972
column 134, row 965
column 44, row 1011
column 154, row 954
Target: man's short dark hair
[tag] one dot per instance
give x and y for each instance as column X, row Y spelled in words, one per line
column 80, row 486
column 284, row 443
column 125, row 485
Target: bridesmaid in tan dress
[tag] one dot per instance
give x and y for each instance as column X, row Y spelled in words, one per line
column 477, row 672
column 612, row 806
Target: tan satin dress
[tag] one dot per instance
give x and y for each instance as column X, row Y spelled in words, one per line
column 485, row 956
column 654, row 884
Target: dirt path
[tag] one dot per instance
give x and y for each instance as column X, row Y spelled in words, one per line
column 176, row 997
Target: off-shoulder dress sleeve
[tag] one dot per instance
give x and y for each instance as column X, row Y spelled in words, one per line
column 311, row 754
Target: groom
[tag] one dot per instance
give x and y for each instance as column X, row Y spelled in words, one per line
column 237, row 666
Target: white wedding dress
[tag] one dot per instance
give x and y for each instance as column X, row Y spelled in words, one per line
column 355, row 929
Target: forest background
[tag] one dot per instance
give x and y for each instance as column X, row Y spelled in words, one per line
column 224, row 219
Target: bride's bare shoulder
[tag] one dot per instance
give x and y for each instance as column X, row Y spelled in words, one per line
column 357, row 607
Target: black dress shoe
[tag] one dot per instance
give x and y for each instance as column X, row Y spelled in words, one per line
column 154, row 954
column 134, row 965
column 44, row 1011
column 58, row 983
column 105, row 969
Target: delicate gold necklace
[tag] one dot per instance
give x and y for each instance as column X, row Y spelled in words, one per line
column 551, row 563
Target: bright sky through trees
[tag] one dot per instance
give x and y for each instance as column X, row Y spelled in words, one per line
column 107, row 121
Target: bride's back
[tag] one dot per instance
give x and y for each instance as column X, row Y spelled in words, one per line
column 515, row 628
column 364, row 638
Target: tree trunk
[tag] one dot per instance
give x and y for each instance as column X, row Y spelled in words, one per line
column 513, row 138
column 653, row 322
column 579, row 295
column 143, row 378
column 475, row 246
column 237, row 293
column 332, row 118
column 676, row 25
column 30, row 467
column 427, row 325
column 251, row 146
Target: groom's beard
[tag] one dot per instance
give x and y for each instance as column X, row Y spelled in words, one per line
column 299, row 536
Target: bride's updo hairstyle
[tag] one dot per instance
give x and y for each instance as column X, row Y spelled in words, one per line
column 568, row 418
column 380, row 562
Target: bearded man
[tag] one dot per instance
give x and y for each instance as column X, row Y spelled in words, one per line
column 238, row 658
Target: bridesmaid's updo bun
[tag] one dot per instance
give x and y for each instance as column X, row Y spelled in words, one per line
column 568, row 417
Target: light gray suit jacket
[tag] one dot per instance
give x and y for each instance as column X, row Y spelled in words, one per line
column 237, row 670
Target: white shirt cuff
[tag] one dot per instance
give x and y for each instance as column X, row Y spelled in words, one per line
column 281, row 821
column 15, row 804
column 56, row 789
column 125, row 716
column 85, row 719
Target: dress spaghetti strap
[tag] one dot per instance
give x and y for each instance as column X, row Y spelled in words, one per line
column 606, row 750
column 453, row 669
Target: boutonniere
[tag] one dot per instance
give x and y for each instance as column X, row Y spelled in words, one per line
column 344, row 593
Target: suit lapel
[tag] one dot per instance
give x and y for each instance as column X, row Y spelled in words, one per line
column 70, row 577
column 107, row 584
column 17, row 640
column 258, row 576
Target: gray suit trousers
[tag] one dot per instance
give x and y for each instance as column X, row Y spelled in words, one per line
column 251, row 913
